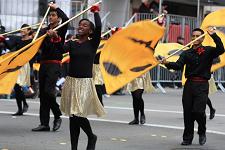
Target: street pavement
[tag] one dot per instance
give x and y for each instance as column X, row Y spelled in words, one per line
column 162, row 131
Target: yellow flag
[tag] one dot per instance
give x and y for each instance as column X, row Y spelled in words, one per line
column 36, row 66
column 101, row 45
column 215, row 19
column 14, row 61
column 66, row 57
column 8, row 81
column 183, row 80
column 166, row 49
column 129, row 54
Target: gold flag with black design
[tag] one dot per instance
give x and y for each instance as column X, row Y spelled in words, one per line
column 166, row 49
column 101, row 45
column 129, row 54
column 8, row 81
column 215, row 19
column 14, row 61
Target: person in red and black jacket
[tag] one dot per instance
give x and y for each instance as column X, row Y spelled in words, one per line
column 198, row 60
column 50, row 68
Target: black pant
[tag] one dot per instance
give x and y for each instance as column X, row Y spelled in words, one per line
column 20, row 97
column 75, row 124
column 195, row 95
column 99, row 90
column 48, row 76
column 138, row 102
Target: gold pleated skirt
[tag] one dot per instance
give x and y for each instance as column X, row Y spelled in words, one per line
column 79, row 98
column 142, row 82
column 24, row 75
column 97, row 75
column 212, row 86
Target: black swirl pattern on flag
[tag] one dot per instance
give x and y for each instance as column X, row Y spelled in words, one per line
column 112, row 69
column 140, row 68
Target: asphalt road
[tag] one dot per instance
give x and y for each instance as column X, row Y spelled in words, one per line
column 162, row 131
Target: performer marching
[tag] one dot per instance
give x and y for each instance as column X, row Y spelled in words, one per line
column 24, row 75
column 198, row 60
column 79, row 97
column 50, row 69
column 137, row 87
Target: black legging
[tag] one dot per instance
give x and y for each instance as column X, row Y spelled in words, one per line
column 99, row 89
column 20, row 97
column 138, row 102
column 75, row 124
column 209, row 103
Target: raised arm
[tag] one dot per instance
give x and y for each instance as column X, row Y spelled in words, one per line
column 98, row 27
column 219, row 45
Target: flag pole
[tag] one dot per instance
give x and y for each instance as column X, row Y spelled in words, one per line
column 158, row 17
column 107, row 32
column 74, row 17
column 17, row 30
column 214, row 28
column 42, row 22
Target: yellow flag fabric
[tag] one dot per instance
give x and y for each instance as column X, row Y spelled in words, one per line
column 14, row 61
column 129, row 54
column 101, row 45
column 166, row 49
column 183, row 80
column 66, row 57
column 8, row 81
column 36, row 66
column 215, row 19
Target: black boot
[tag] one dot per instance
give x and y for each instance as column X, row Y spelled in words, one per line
column 202, row 139
column 135, row 121
column 92, row 142
column 41, row 128
column 142, row 119
column 186, row 142
column 18, row 113
column 25, row 107
column 57, row 124
column 212, row 113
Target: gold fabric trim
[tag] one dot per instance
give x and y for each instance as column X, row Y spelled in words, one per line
column 24, row 75
column 142, row 82
column 212, row 86
column 79, row 98
column 97, row 75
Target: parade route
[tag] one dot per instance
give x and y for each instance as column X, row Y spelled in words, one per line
column 162, row 131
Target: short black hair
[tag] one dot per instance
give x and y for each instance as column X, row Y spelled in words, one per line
column 92, row 26
column 53, row 10
column 25, row 25
column 198, row 29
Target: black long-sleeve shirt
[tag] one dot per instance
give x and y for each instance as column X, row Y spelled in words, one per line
column 198, row 65
column 82, row 54
column 49, row 49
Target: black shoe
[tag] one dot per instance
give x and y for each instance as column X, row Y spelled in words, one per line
column 25, row 108
column 186, row 142
column 92, row 142
column 41, row 128
column 202, row 139
column 135, row 121
column 57, row 124
column 142, row 119
column 18, row 113
column 212, row 113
